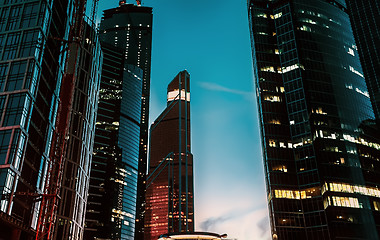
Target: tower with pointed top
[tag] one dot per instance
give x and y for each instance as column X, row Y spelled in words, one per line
column 169, row 194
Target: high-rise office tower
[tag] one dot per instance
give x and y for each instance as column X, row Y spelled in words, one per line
column 169, row 194
column 320, row 154
column 34, row 60
column 78, row 154
column 119, row 161
column 365, row 21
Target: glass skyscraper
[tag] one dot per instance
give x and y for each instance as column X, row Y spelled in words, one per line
column 76, row 174
column 34, row 36
column 320, row 145
column 365, row 20
column 169, row 194
column 119, row 160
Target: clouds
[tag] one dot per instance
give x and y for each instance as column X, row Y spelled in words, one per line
column 219, row 88
column 240, row 224
column 210, row 223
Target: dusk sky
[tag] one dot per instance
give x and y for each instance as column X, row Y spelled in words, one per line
column 211, row 40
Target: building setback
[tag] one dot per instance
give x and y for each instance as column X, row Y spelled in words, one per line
column 365, row 21
column 32, row 66
column 169, row 194
column 119, row 160
column 320, row 146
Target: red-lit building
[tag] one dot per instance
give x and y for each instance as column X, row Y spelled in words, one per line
column 171, row 166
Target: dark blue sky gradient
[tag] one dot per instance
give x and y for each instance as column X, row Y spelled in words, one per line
column 211, row 40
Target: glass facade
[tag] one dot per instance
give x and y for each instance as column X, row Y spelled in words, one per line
column 129, row 27
column 313, row 103
column 126, row 30
column 111, row 209
column 32, row 62
column 365, row 20
column 169, row 194
column 78, row 156
column 29, row 92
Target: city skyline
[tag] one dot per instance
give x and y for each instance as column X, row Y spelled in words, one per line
column 284, row 139
column 229, row 189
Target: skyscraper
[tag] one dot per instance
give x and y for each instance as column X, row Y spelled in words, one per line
column 129, row 27
column 169, row 195
column 365, row 20
column 119, row 161
column 35, row 38
column 78, row 155
column 320, row 157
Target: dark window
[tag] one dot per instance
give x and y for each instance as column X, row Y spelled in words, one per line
column 16, row 76
column 3, row 18
column 14, row 18
column 14, row 110
column 30, row 41
column 2, row 40
column 5, row 137
column 3, row 74
column 11, row 46
column 29, row 15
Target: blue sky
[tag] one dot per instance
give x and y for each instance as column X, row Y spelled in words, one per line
column 211, row 40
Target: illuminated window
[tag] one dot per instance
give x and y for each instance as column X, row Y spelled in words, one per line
column 262, row 33
column 356, row 71
column 376, row 205
column 306, row 20
column 319, row 111
column 365, row 93
column 351, row 52
column 267, row 69
column 174, row 95
column 277, row 15
column 281, row 168
column 339, row 161
column 348, row 188
column 272, row 98
column 350, row 202
column 292, row 67
column 297, row 194
column 274, row 121
column 305, row 28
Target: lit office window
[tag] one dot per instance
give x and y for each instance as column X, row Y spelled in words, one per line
column 297, row 194
column 376, row 205
column 348, row 188
column 281, row 168
column 272, row 98
column 336, row 201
